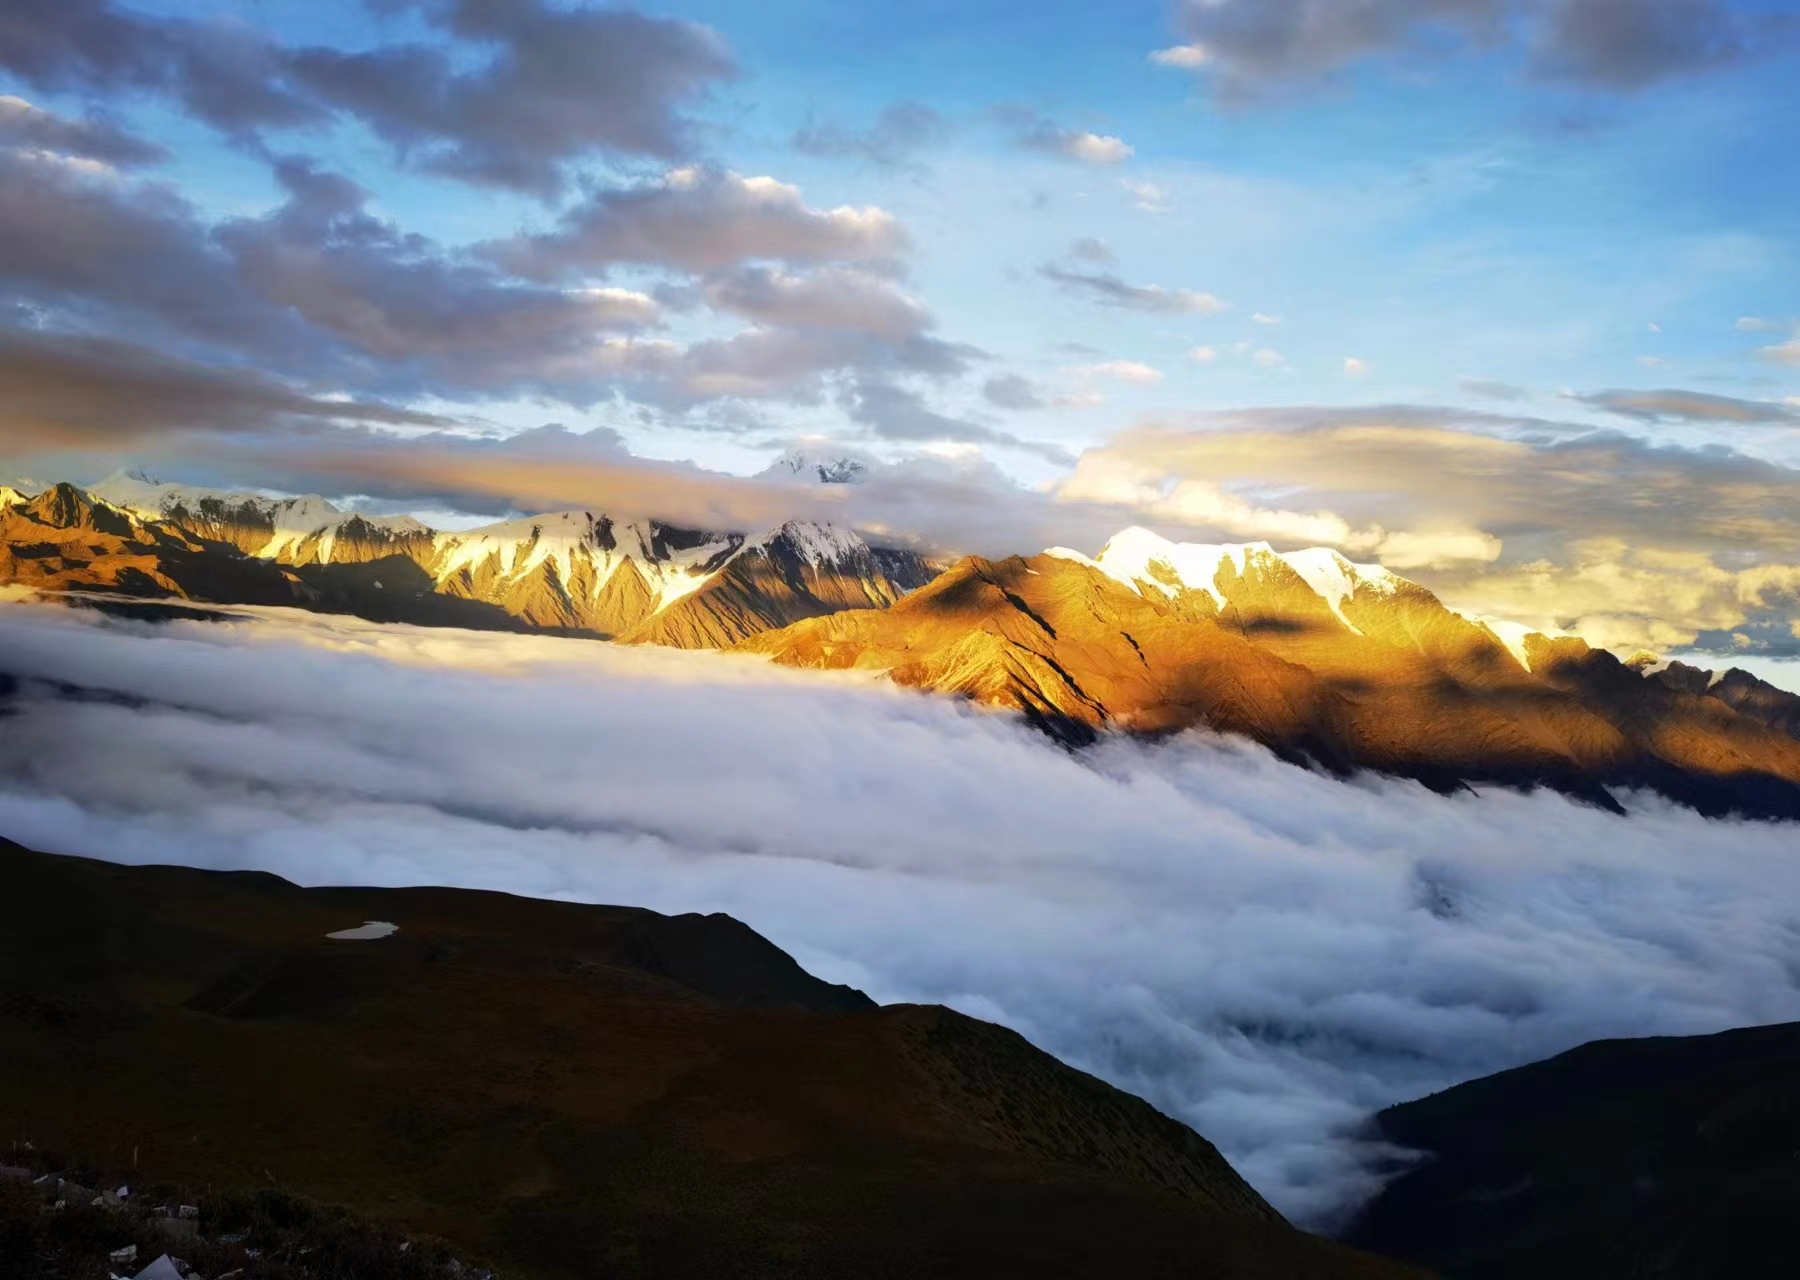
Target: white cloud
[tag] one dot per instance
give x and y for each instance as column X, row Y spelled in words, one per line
column 1752, row 324
column 1146, row 195
column 1186, row 56
column 1651, row 362
column 1783, row 353
column 1132, row 371
column 1096, row 148
column 1268, row 358
column 1263, row 317
column 1354, row 368
column 1264, row 952
column 1203, row 355
column 1653, row 327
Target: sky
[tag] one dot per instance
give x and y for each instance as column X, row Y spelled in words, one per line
column 1500, row 293
column 1264, row 952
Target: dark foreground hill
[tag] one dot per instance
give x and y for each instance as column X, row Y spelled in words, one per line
column 1668, row 1158
column 570, row 1090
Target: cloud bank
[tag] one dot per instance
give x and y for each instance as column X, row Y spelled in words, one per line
column 1265, row 953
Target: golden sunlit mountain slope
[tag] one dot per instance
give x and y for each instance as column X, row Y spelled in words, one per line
column 579, row 1091
column 1370, row 672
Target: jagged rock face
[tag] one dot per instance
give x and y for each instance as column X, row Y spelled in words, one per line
column 1631, row 1159
column 801, row 571
column 1347, row 666
column 571, row 1090
column 574, row 572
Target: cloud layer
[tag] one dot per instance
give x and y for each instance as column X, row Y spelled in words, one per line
column 1263, row 952
column 1253, row 46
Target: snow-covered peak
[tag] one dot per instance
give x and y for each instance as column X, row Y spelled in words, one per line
column 11, row 497
column 569, row 541
column 1137, row 556
column 818, row 544
column 292, row 522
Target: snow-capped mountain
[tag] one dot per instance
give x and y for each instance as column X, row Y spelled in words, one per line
column 1346, row 665
column 573, row 571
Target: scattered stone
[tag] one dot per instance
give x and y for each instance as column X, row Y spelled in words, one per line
column 127, row 1254
column 163, row 1268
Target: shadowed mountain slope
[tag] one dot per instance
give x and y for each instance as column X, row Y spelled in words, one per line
column 1369, row 672
column 579, row 1091
column 1676, row 1158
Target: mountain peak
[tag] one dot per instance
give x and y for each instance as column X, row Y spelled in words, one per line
column 63, row 506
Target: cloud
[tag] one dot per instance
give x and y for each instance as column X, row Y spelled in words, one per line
column 834, row 297
column 701, row 220
column 1521, row 521
column 86, row 248
column 1626, row 44
column 1203, row 355
column 1263, row 317
column 1032, row 132
column 436, row 322
column 557, row 84
column 1254, row 46
column 59, row 391
column 897, row 134
column 893, row 412
column 1011, row 391
column 507, row 93
column 1269, row 358
column 1752, row 324
column 1265, row 953
column 1188, row 57
column 1488, row 389
column 1787, row 353
column 95, row 138
column 1092, row 249
column 1687, row 406
column 1354, row 368
column 317, row 289
column 320, row 289
column 1132, row 371
column 1109, row 290
column 221, row 72
column 1146, row 195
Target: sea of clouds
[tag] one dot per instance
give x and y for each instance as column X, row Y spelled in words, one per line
column 1267, row 953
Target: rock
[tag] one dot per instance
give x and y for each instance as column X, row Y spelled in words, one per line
column 163, row 1268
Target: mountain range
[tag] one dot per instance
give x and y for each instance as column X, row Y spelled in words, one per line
column 1336, row 664
column 636, row 580
column 571, row 1090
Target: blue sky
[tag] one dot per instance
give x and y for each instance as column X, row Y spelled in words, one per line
column 1023, row 238
column 1438, row 219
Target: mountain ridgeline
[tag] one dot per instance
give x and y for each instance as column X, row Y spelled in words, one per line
column 569, row 572
column 1338, row 665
